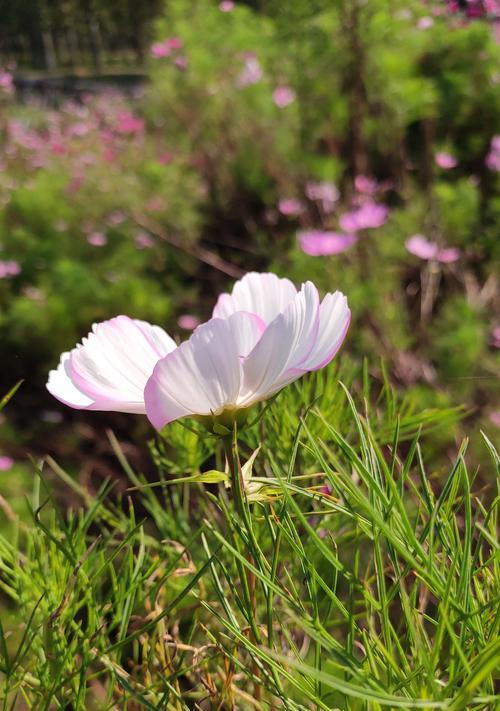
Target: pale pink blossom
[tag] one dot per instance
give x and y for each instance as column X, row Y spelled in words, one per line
column 9, row 268
column 6, row 81
column 188, row 322
column 425, row 23
column 97, row 239
column 109, row 369
column 128, row 123
column 165, row 158
column 251, row 73
column 493, row 157
column 283, row 96
column 143, row 241
column 319, row 243
column 290, row 206
column 446, row 161
column 495, row 337
column 226, row 5
column 117, row 217
column 6, row 463
column 366, row 185
column 324, row 192
column 263, row 336
column 160, row 50
column 181, row 62
column 164, row 49
column 495, row 418
column 422, row 248
column 369, row 215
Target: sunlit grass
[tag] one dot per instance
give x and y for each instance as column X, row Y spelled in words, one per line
column 368, row 581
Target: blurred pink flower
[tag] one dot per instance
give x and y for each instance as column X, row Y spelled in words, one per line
column 325, row 192
column 448, row 255
column 78, row 129
column 290, row 206
column 97, row 239
column 446, row 161
column 6, row 463
column 365, row 184
column 58, row 148
column 116, row 217
column 9, row 268
column 422, row 248
column 159, row 50
column 163, row 49
column 129, row 123
column 156, row 204
column 251, row 72
column 143, row 241
column 181, row 62
column 493, row 157
column 495, row 337
column 6, row 81
column 319, row 243
column 188, row 322
column 283, row 96
column 226, row 5
column 370, row 215
column 75, row 184
column 495, row 418
column 165, row 158
column 425, row 23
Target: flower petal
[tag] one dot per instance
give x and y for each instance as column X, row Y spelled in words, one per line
column 203, row 375
column 247, row 328
column 421, row 247
column 334, row 319
column 109, row 369
column 61, row 386
column 263, row 294
column 284, row 346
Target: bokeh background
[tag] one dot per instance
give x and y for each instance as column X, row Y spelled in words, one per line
column 153, row 152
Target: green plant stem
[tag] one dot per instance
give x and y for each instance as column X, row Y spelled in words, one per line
column 230, row 443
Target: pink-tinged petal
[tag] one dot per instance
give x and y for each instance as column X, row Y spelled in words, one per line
column 6, row 463
column 284, row 346
column 290, row 206
column 321, row 244
column 348, row 222
column 446, row 161
column 419, row 246
column 283, row 96
column 263, row 294
column 109, row 369
column 366, row 185
column 201, row 377
column 247, row 329
column 495, row 418
column 369, row 215
column 334, row 319
column 188, row 322
column 61, row 386
column 449, row 255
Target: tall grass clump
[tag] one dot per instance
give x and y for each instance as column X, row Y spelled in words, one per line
column 315, row 560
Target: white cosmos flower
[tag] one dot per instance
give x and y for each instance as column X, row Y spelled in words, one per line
column 262, row 337
column 109, row 369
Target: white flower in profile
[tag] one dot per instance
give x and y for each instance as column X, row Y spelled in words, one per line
column 263, row 336
column 110, row 368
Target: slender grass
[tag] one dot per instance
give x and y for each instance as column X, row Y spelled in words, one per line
column 348, row 575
